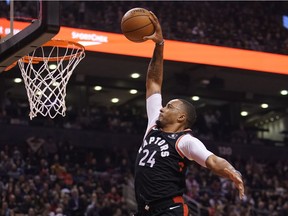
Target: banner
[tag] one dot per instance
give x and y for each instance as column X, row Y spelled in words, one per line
column 98, row 41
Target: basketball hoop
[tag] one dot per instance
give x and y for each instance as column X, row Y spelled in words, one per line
column 46, row 86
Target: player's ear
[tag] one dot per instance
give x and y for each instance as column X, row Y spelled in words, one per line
column 181, row 117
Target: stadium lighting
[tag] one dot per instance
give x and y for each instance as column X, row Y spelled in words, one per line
column 97, row 88
column 195, row 98
column 135, row 75
column 283, row 92
column 133, row 91
column 115, row 100
column 264, row 105
column 52, row 66
column 244, row 113
column 17, row 80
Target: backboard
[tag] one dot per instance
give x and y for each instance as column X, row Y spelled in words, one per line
column 24, row 26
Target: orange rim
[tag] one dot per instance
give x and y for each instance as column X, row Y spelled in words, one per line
column 10, row 66
column 55, row 43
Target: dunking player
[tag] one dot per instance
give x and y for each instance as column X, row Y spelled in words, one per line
column 169, row 146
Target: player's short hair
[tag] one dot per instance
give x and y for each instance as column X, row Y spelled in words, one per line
column 190, row 110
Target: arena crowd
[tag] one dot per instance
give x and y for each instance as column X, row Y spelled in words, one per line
column 44, row 177
column 255, row 25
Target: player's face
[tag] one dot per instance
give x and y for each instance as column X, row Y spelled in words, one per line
column 170, row 113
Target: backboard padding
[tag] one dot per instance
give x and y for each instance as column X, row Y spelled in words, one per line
column 33, row 36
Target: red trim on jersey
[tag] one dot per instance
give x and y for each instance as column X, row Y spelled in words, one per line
column 185, row 210
column 177, row 148
column 179, row 199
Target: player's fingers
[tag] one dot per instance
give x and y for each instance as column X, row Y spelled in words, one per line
column 233, row 175
column 153, row 15
column 241, row 191
column 237, row 179
column 228, row 172
column 153, row 20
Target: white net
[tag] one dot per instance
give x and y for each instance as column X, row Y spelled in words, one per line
column 46, row 72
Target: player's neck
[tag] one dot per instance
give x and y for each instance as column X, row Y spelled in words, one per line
column 173, row 128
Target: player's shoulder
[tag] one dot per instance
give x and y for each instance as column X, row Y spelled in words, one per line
column 189, row 137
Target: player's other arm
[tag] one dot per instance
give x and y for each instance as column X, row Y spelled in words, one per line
column 154, row 76
column 223, row 168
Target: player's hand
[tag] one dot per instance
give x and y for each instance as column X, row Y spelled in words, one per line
column 237, row 179
column 157, row 36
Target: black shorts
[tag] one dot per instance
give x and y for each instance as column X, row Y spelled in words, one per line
column 169, row 207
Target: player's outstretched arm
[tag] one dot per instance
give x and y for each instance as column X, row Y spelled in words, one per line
column 154, row 76
column 223, row 168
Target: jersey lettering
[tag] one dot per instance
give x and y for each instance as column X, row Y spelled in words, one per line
column 151, row 159
column 158, row 154
column 158, row 139
column 148, row 157
column 161, row 143
column 164, row 147
column 165, row 154
column 151, row 140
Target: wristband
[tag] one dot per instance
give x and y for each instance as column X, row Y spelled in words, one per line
column 161, row 43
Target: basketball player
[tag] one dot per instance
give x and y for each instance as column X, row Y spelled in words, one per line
column 169, row 146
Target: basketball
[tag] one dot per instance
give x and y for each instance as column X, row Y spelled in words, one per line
column 135, row 24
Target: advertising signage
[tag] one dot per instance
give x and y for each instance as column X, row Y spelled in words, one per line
column 99, row 41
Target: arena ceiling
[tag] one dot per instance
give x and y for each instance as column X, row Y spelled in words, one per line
column 216, row 86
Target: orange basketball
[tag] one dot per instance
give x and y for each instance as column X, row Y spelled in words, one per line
column 135, row 24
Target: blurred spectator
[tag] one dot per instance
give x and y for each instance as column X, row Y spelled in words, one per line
column 76, row 204
column 93, row 208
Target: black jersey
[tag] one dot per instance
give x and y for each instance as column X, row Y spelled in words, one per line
column 159, row 169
